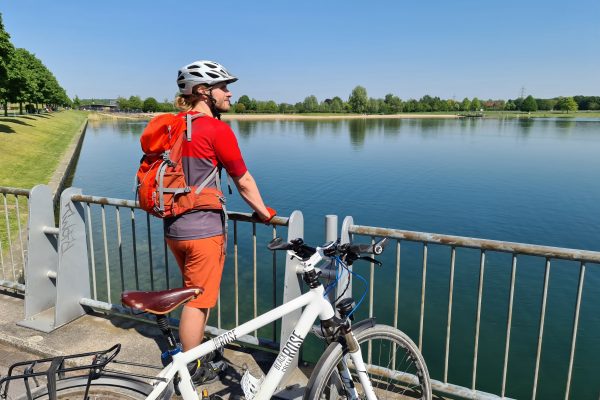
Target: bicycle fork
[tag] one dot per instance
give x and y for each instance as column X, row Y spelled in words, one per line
column 356, row 355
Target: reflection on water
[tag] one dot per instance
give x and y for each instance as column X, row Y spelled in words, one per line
column 121, row 126
column 357, row 129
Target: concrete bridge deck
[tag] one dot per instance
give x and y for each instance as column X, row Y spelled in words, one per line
column 140, row 343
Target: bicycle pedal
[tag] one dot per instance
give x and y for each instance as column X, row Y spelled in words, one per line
column 250, row 384
column 218, row 366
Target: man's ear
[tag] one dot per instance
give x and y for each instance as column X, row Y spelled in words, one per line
column 201, row 90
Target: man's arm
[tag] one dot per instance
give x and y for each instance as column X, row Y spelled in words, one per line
column 248, row 189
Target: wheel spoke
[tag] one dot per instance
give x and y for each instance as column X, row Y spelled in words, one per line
column 396, row 369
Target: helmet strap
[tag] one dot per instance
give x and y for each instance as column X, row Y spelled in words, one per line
column 212, row 103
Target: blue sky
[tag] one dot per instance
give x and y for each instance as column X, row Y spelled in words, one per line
column 285, row 51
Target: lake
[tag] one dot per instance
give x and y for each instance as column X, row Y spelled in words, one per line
column 520, row 180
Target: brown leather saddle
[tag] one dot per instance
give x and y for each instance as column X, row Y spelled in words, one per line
column 160, row 302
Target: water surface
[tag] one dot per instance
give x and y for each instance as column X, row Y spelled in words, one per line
column 530, row 181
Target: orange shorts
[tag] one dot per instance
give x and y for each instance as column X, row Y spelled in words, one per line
column 201, row 264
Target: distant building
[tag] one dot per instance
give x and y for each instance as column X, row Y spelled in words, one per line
column 105, row 105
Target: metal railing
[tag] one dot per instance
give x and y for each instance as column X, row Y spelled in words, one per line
column 485, row 247
column 160, row 271
column 13, row 240
column 124, row 248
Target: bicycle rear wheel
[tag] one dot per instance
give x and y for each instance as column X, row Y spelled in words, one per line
column 394, row 365
column 104, row 388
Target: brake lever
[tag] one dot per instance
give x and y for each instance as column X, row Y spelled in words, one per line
column 370, row 259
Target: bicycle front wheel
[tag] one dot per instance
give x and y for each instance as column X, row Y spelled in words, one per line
column 104, row 388
column 394, row 364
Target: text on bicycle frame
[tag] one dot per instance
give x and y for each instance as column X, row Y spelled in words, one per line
column 225, row 338
column 288, row 352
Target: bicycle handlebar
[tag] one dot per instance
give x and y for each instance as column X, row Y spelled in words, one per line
column 350, row 251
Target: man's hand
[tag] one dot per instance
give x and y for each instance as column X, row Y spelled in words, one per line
column 266, row 220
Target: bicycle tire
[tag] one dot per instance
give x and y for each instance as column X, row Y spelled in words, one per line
column 325, row 381
column 103, row 388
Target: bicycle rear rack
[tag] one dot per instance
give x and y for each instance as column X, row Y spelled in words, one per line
column 54, row 369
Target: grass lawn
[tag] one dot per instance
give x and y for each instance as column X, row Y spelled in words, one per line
column 32, row 146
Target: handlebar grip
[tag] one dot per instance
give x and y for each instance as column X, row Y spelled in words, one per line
column 360, row 248
column 296, row 245
column 376, row 248
column 279, row 244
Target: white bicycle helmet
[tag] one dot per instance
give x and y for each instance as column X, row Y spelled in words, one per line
column 202, row 72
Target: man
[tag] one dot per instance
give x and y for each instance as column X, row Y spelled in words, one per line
column 197, row 239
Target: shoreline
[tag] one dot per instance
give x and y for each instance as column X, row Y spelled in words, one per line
column 67, row 163
column 99, row 116
column 341, row 116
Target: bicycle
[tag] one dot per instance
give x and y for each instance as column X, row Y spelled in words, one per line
column 394, row 369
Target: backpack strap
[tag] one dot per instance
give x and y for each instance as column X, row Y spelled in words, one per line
column 188, row 120
column 188, row 130
column 213, row 173
column 224, row 216
column 160, row 181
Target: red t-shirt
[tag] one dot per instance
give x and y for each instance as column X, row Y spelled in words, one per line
column 213, row 143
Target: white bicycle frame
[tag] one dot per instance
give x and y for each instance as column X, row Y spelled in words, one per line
column 316, row 306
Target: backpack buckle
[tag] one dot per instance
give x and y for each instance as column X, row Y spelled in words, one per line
column 165, row 157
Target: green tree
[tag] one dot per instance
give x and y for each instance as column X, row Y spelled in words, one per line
column 310, row 104
column 393, row 103
column 452, row 105
column 373, row 106
column 43, row 88
column 6, row 52
column 529, row 104
column 245, row 100
column 465, row 105
column 510, row 106
column 358, row 100
column 150, row 105
column 299, row 107
column 76, row 102
column 411, row 105
column 20, row 82
column 270, row 107
column 337, row 105
column 593, row 105
column 438, row 104
column 135, row 103
column 425, row 103
column 286, row 108
column 123, row 103
column 166, row 106
column 252, row 105
column 566, row 104
column 519, row 102
column 325, row 106
column 545, row 104
column 239, row 108
column 475, row 104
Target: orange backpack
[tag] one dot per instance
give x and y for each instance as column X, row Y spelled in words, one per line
column 162, row 188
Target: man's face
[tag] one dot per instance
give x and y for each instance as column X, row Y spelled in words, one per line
column 222, row 96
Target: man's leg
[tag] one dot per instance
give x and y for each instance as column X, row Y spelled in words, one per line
column 191, row 326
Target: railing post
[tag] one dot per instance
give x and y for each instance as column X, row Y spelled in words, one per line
column 331, row 235
column 291, row 289
column 331, row 228
column 73, row 281
column 42, row 261
column 345, row 279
